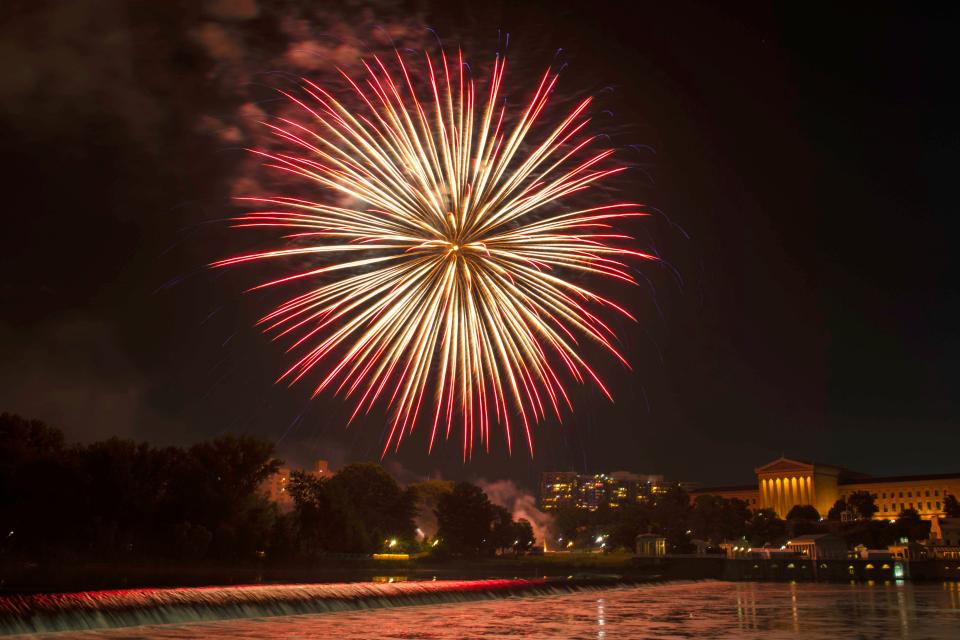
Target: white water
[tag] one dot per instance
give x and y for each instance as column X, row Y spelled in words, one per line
column 137, row 607
column 679, row 610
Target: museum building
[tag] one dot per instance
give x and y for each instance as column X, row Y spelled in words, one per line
column 785, row 483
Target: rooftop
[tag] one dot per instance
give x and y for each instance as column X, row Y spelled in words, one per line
column 918, row 478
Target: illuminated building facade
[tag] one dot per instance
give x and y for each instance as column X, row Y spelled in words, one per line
column 275, row 487
column 560, row 489
column 786, row 483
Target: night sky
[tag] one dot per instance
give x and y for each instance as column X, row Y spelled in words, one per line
column 801, row 161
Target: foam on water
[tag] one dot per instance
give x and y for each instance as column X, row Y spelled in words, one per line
column 133, row 607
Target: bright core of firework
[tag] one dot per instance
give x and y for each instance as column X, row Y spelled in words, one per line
column 441, row 284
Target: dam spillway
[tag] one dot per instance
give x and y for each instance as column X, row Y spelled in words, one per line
column 133, row 607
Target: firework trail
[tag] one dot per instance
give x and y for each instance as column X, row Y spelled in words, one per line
column 446, row 272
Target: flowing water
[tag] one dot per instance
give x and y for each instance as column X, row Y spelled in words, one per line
column 673, row 610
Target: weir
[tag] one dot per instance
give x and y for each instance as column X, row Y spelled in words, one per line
column 133, row 607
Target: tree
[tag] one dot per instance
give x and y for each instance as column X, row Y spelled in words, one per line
column 766, row 528
column 465, row 517
column 570, row 523
column 909, row 525
column 908, row 516
column 39, row 489
column 804, row 512
column 502, row 533
column 873, row 534
column 118, row 497
column 325, row 519
column 717, row 519
column 116, row 503
column 862, row 504
column 428, row 492
column 426, row 496
column 669, row 514
column 192, row 540
column 383, row 509
column 836, row 511
column 951, row 506
column 523, row 539
column 221, row 478
column 218, row 487
column 803, row 519
column 361, row 509
column 629, row 521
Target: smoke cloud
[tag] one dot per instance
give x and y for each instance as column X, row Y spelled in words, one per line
column 521, row 504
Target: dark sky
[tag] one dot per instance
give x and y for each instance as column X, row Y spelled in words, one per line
column 803, row 159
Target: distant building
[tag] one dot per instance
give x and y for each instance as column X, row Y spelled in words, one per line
column 944, row 542
column 740, row 549
column 700, row 547
column 275, row 487
column 861, row 552
column 558, row 489
column 786, row 483
column 945, row 531
column 650, row 544
column 819, row 546
column 591, row 491
column 909, row 551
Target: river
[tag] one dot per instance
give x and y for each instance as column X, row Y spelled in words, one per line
column 674, row 610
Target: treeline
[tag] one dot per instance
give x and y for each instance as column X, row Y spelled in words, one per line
column 361, row 509
column 117, row 499
column 713, row 520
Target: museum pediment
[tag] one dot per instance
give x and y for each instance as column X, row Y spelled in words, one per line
column 785, row 466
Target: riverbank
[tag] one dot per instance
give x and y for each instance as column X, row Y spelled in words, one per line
column 56, row 577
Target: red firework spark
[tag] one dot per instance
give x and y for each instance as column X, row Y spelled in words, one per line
column 443, row 265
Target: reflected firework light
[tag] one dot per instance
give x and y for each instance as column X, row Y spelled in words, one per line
column 448, row 250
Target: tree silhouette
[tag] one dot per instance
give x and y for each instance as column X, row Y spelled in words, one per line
column 465, row 517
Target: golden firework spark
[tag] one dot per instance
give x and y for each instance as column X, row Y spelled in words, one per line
column 452, row 253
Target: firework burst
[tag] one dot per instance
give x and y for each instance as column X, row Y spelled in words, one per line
column 442, row 282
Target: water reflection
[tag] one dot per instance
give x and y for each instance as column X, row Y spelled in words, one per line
column 953, row 593
column 676, row 610
column 794, row 611
column 601, row 619
column 746, row 606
